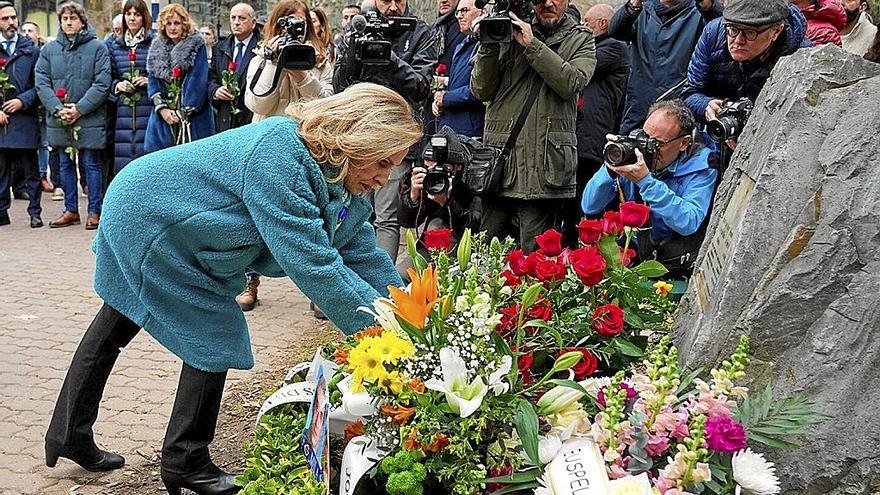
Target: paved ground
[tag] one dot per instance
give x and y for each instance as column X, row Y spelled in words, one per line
column 46, row 303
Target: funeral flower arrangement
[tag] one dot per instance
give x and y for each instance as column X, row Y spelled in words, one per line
column 497, row 372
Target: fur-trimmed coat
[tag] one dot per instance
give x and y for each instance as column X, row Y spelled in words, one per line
column 191, row 56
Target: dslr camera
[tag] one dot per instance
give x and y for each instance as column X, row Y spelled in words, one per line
column 623, row 151
column 497, row 27
column 293, row 53
column 438, row 176
column 731, row 120
column 372, row 34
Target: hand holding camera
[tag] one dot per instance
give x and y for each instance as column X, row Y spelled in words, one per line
column 729, row 119
column 522, row 31
column 417, row 182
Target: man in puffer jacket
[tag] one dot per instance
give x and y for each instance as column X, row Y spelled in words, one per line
column 735, row 55
column 825, row 20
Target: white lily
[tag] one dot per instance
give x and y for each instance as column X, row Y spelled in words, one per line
column 497, row 383
column 557, row 399
column 384, row 315
column 463, row 398
column 359, row 404
column 548, row 447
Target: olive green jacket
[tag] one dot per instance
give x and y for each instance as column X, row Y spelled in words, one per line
column 544, row 160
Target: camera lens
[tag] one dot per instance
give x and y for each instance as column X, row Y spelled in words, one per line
column 722, row 129
column 617, row 154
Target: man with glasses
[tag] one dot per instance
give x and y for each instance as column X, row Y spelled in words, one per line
column 457, row 106
column 735, row 54
column 677, row 182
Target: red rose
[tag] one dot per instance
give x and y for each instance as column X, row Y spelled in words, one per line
column 509, row 317
column 634, row 214
column 580, row 103
column 61, row 93
column 510, row 278
column 132, row 56
column 524, row 364
column 608, row 320
column 531, row 261
column 611, row 223
column 441, row 69
column 3, row 62
column 541, row 310
column 550, row 242
column 627, row 256
column 438, row 239
column 588, row 264
column 586, row 366
column 175, row 72
column 232, row 66
column 516, row 259
column 589, row 231
column 547, row 270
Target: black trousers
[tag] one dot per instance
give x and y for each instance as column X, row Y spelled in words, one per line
column 520, row 219
column 573, row 213
column 193, row 417
column 12, row 159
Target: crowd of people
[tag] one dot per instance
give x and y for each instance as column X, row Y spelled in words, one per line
column 77, row 110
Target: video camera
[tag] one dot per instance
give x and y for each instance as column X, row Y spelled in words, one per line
column 497, row 28
column 623, row 151
column 730, row 120
column 293, row 53
column 371, row 35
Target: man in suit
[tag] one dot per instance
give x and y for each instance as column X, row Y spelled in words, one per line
column 20, row 136
column 239, row 48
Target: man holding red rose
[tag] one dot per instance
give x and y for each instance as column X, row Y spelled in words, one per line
column 676, row 189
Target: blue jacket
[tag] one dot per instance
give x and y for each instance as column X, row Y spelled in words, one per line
column 23, row 130
column 180, row 227
column 82, row 67
column 661, row 42
column 713, row 74
column 190, row 55
column 462, row 111
column 680, row 199
column 129, row 133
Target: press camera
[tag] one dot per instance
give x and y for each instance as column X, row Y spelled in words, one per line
column 439, row 175
column 372, row 34
column 730, row 120
column 293, row 54
column 497, row 28
column 623, row 150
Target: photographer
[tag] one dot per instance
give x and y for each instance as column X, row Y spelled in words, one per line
column 455, row 208
column 553, row 58
column 674, row 179
column 735, row 54
column 408, row 71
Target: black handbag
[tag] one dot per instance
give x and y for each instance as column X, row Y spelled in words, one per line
column 482, row 175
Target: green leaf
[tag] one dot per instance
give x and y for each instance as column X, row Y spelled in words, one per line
column 610, row 250
column 414, row 333
column 773, row 442
column 546, row 326
column 520, row 477
column 526, row 421
column 632, row 319
column 626, row 347
column 570, row 384
column 651, row 269
column 531, row 295
column 517, row 488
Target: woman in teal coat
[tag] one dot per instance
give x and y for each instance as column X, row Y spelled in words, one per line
column 283, row 197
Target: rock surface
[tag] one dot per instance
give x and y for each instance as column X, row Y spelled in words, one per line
column 792, row 259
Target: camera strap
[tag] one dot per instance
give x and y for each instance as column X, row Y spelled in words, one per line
column 520, row 121
column 256, row 78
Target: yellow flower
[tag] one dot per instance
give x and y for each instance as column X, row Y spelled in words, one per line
column 390, row 348
column 365, row 364
column 663, row 288
column 415, row 303
column 393, row 382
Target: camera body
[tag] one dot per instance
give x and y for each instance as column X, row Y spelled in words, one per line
column 372, row 34
column 497, row 28
column 730, row 120
column 438, row 176
column 623, row 151
column 293, row 54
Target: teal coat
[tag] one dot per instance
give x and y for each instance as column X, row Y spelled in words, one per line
column 181, row 226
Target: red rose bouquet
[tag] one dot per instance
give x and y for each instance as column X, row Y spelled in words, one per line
column 229, row 80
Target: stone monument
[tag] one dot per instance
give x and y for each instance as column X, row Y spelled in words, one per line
column 792, row 258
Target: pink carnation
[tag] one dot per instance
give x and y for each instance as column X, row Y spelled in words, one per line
column 725, row 435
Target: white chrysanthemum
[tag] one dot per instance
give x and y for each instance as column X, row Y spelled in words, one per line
column 544, row 489
column 754, row 474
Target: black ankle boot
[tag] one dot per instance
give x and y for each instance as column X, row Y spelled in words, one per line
column 186, row 462
column 70, row 431
column 90, row 458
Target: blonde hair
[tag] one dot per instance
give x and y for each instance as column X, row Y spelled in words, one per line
column 175, row 8
column 363, row 125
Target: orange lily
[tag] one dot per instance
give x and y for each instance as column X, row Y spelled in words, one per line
column 441, row 441
column 415, row 305
column 398, row 414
